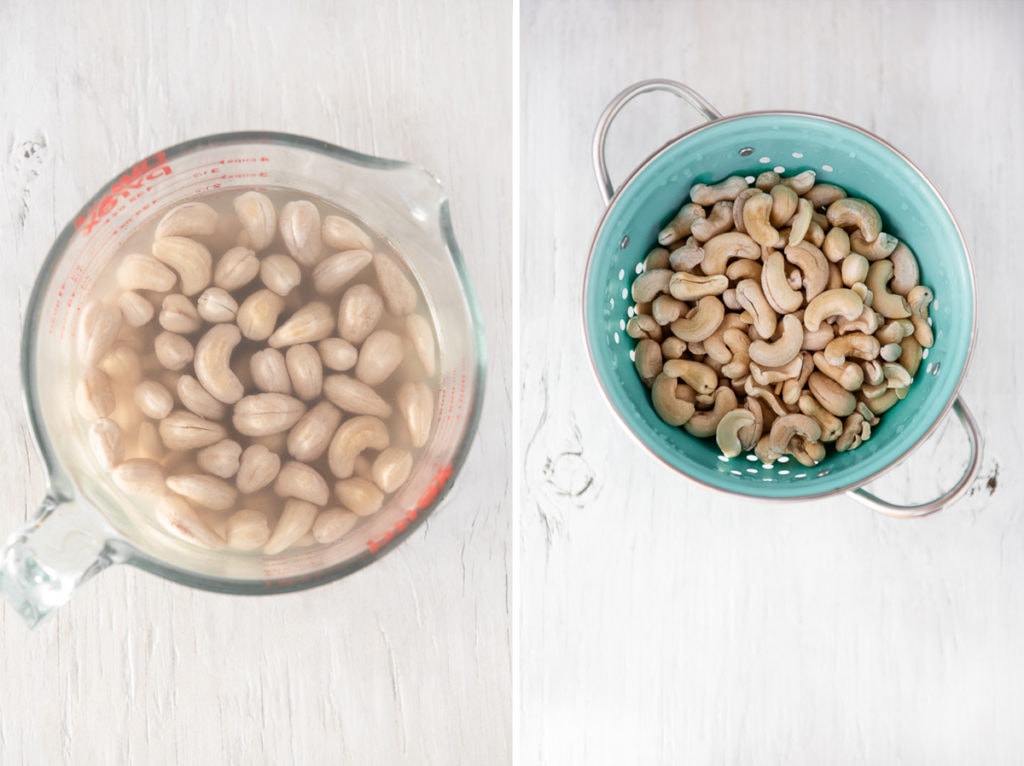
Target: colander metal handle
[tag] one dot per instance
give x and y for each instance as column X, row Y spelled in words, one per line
column 913, row 511
column 684, row 92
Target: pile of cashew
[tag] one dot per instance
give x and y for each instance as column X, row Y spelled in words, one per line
column 267, row 398
column 778, row 317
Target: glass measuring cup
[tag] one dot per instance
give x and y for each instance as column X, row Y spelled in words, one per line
column 85, row 523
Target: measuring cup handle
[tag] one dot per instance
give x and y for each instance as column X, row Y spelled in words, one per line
column 45, row 560
column 912, row 511
column 688, row 94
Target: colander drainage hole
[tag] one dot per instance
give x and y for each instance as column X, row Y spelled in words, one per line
column 779, row 169
column 827, row 168
column 798, row 155
column 783, row 472
column 765, row 160
column 624, row 243
column 746, row 151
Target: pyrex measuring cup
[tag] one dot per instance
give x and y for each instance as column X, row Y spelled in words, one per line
column 84, row 523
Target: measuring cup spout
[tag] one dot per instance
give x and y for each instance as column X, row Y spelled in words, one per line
column 44, row 561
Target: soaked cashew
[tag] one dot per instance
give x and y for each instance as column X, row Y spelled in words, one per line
column 767, row 257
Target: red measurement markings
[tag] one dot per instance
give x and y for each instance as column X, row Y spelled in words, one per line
column 429, row 495
column 147, row 170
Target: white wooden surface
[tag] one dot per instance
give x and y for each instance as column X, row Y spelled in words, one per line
column 407, row 661
column 664, row 624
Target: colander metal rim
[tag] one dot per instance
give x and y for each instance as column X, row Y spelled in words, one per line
column 712, row 125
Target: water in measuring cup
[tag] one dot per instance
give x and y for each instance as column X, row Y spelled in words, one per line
column 245, row 519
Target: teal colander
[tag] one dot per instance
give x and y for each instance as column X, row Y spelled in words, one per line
column 745, row 145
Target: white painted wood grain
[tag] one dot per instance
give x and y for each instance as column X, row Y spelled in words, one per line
column 408, row 660
column 664, row 624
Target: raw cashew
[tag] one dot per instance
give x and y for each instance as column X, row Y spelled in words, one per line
column 788, row 426
column 838, row 302
column 192, row 219
column 889, row 305
column 335, row 271
column 647, row 360
column 247, row 530
column 266, row 414
column 919, row 299
column 258, row 314
column 391, row 468
column 853, row 344
column 360, row 310
column 352, row 437
column 299, row 222
column 140, row 476
column 178, row 517
column 98, row 327
column 671, row 408
column 717, row 222
column 340, row 355
column 855, row 269
column 280, row 274
column 685, row 286
column 879, row 248
column 183, row 430
column 342, row 234
column 687, row 257
column 206, row 491
column 153, row 399
column 906, row 273
column 270, row 372
column 782, row 351
column 333, row 524
column 727, row 435
column 650, row 284
column 312, row 322
column 698, row 376
column 189, row 258
column 236, row 268
column 701, row 322
column 777, row 291
column 135, row 310
column 680, row 226
column 836, row 245
column 752, row 299
column 296, row 520
column 172, row 350
column 259, row 466
column 107, row 442
column 94, row 395
column 756, row 213
column 311, row 435
column 179, row 315
column 213, row 363
column 303, row 482
column 718, row 251
column 849, row 375
column 665, row 309
column 415, row 402
column 258, row 217
column 197, row 399
column 705, row 423
column 813, row 267
column 801, row 183
column 362, row 497
column 831, row 426
column 305, row 370
column 221, row 459
column 144, row 272
column 822, row 195
column 354, row 396
column 709, row 194
column 854, row 212
column 216, row 305
column 832, row 396
column 399, row 293
column 421, row 334
column 784, row 205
